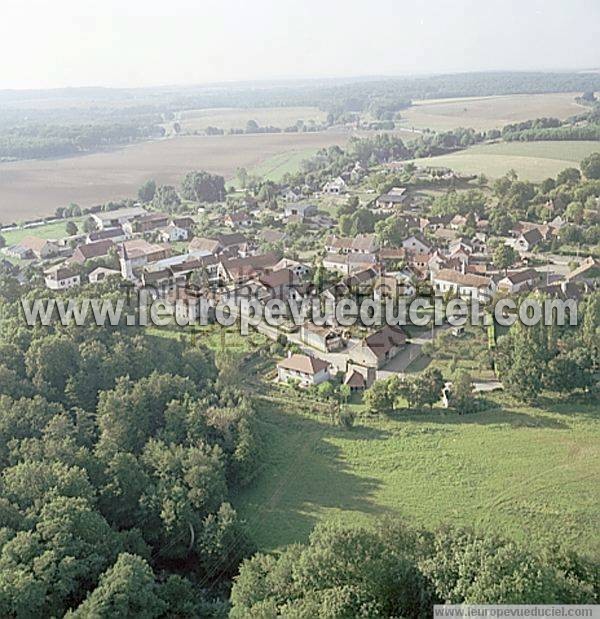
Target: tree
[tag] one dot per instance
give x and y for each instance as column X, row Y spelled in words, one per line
column 2, row 241
column 127, row 589
column 590, row 166
column 568, row 175
column 242, row 176
column 574, row 212
column 166, row 197
column 378, row 399
column 325, row 390
column 89, row 225
column 71, row 228
column 203, row 187
column 146, row 191
column 504, row 256
column 461, row 393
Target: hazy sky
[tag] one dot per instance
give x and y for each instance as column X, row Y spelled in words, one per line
column 50, row 43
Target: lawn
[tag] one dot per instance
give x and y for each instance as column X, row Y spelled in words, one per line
column 54, row 230
column 528, row 473
column 482, row 113
column 532, row 161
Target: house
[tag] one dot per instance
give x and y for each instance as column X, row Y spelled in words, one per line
column 379, row 348
column 136, row 253
column 417, row 243
column 386, row 287
column 515, row 281
column 239, row 269
column 323, row 338
column 457, row 222
column 289, row 195
column 303, row 210
column 465, row 285
column 278, row 284
column 361, row 244
column 299, row 269
column 528, row 240
column 173, row 234
column 40, row 248
column 118, row 217
column 347, row 264
column 588, row 272
column 115, row 235
column 307, row 370
column 272, row 236
column 61, row 277
column 394, row 197
column 434, row 222
column 355, row 380
column 238, row 220
column 90, row 251
column 335, row 187
column 391, row 255
column 146, row 223
column 187, row 223
column 17, row 251
column 234, row 243
column 101, row 273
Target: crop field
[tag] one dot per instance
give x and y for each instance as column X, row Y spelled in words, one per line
column 532, row 161
column 236, row 118
column 528, row 473
column 38, row 187
column 488, row 112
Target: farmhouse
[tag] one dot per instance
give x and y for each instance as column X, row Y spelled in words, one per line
column 416, row 243
column 394, row 197
column 347, row 264
column 307, row 370
column 173, row 234
column 146, row 223
column 464, row 285
column 299, row 269
column 588, row 272
column 324, row 339
column 40, row 248
column 89, row 251
column 528, row 240
column 238, row 269
column 515, row 281
column 335, row 187
column 379, row 348
column 136, row 253
column 101, row 273
column 238, row 220
column 118, row 217
column 360, row 244
column 302, row 210
column 61, row 277
column 114, row 234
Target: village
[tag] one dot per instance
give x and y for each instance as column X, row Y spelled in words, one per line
column 248, row 255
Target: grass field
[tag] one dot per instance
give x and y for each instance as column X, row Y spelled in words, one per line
column 236, row 118
column 532, row 161
column 529, row 473
column 46, row 231
column 488, row 112
column 277, row 166
column 33, row 188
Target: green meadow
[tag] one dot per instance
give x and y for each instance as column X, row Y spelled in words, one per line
column 532, row 161
column 528, row 473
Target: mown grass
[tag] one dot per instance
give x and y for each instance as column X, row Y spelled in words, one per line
column 532, row 161
column 529, row 473
column 54, row 230
column 274, row 168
